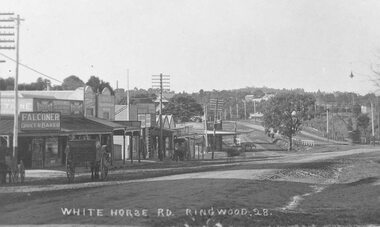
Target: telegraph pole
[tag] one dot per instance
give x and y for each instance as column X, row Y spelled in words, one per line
column 237, row 110
column 9, row 32
column 245, row 109
column 205, row 125
column 162, row 82
column 373, row 125
column 327, row 123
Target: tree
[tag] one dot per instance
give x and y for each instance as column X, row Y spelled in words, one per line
column 363, row 123
column 183, row 107
column 285, row 113
column 72, row 82
column 6, row 84
column 258, row 93
column 356, row 110
column 98, row 85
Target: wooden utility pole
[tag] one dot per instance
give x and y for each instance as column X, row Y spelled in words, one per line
column 215, row 122
column 205, row 123
column 10, row 33
column 7, row 40
column 124, row 147
column 373, row 125
column 15, row 124
column 161, row 82
column 237, row 110
column 327, row 119
column 245, row 109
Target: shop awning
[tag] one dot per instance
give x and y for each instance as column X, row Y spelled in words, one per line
column 132, row 128
column 111, row 124
column 120, row 127
column 76, row 125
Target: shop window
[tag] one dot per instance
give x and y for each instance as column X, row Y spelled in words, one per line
column 37, row 153
column 52, row 157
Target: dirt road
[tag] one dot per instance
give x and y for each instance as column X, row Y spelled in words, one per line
column 290, row 189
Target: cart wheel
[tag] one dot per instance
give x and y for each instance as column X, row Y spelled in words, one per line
column 14, row 172
column 103, row 169
column 21, row 169
column 70, row 171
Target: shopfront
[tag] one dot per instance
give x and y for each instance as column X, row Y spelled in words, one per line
column 40, row 145
column 47, row 123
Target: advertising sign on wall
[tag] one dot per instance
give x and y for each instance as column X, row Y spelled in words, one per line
column 40, row 121
column 89, row 100
column 148, row 123
column 146, row 120
column 142, row 119
column 7, row 105
column 65, row 107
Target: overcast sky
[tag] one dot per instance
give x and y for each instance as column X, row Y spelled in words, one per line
column 215, row 44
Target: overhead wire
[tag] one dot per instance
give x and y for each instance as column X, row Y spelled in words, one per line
column 32, row 69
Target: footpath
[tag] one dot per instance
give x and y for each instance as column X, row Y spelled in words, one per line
column 45, row 177
column 211, row 170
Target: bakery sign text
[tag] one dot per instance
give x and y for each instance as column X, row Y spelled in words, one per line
column 40, row 121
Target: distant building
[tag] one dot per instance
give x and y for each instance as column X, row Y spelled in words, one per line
column 252, row 98
column 365, row 109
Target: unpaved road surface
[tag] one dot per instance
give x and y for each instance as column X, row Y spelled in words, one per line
column 269, row 187
column 322, row 188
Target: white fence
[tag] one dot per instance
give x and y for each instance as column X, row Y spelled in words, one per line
column 309, row 143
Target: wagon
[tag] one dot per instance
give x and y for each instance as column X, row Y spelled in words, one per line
column 180, row 149
column 80, row 153
column 8, row 166
column 234, row 151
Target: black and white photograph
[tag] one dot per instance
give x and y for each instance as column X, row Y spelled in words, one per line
column 190, row 113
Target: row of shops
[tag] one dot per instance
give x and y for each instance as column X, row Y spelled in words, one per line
column 49, row 119
column 43, row 147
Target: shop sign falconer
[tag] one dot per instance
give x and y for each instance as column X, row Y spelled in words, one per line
column 45, row 121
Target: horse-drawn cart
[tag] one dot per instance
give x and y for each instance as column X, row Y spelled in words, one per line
column 9, row 166
column 82, row 152
column 234, row 151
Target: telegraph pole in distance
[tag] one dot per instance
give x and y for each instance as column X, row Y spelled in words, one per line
column 373, row 125
column 162, row 82
column 205, row 125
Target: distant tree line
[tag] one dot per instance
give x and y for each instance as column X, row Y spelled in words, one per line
column 69, row 83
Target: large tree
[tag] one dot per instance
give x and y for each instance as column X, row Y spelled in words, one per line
column 183, row 107
column 285, row 113
column 72, row 82
column 98, row 85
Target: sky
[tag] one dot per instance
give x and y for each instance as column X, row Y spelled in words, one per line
column 201, row 44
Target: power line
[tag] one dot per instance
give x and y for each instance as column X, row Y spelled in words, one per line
column 32, row 69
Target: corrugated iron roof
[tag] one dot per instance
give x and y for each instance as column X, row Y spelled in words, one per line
column 66, row 95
